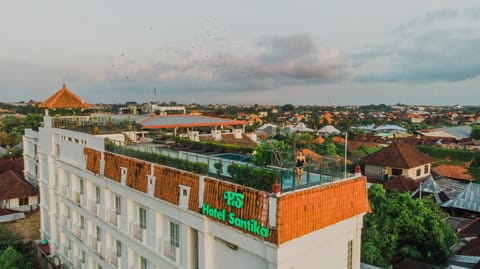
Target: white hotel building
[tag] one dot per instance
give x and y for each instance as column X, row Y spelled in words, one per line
column 105, row 210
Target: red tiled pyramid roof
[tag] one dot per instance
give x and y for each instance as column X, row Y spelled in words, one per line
column 64, row 98
column 399, row 155
column 12, row 186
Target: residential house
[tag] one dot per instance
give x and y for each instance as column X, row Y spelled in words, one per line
column 16, row 193
column 398, row 159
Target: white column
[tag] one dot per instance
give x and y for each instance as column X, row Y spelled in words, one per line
column 206, row 243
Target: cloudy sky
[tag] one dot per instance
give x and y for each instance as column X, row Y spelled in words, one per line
column 265, row 52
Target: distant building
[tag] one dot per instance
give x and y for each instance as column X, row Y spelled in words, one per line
column 15, row 192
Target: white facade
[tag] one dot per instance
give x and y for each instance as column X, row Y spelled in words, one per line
column 23, row 204
column 90, row 221
column 414, row 173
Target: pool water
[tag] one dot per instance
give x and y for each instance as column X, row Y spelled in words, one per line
column 235, row 157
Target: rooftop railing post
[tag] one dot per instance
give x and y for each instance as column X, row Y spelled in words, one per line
column 293, row 179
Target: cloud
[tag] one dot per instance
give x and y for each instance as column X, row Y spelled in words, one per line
column 276, row 61
column 298, row 58
column 439, row 46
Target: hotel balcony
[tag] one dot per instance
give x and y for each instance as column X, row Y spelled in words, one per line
column 113, row 258
column 79, row 264
column 78, row 232
column 138, row 232
column 169, row 250
column 113, row 218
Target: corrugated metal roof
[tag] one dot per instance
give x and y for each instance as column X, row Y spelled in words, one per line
column 469, row 199
column 458, row 132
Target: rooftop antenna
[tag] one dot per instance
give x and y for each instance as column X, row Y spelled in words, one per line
column 155, row 94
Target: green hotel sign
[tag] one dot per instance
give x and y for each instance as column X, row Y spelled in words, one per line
column 236, row 200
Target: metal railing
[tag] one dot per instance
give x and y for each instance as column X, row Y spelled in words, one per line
column 327, row 170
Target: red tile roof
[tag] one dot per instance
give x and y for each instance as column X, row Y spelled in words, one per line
column 454, row 172
column 401, row 184
column 472, row 229
column 472, row 248
column 305, row 211
column 14, row 164
column 64, row 98
column 12, row 186
column 399, row 155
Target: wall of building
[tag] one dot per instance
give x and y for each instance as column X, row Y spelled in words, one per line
column 372, row 171
column 412, row 173
column 14, row 204
column 326, row 248
column 226, row 255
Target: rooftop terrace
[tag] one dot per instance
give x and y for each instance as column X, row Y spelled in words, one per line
column 236, row 168
column 207, row 160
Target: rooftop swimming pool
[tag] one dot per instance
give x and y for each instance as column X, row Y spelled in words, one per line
column 235, row 157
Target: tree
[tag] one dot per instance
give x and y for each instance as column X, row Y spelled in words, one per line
column 406, row 227
column 12, row 259
column 475, row 133
column 263, row 154
column 8, row 239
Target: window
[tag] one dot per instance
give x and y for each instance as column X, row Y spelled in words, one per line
column 23, row 201
column 143, row 263
column 119, row 248
column 82, row 187
column 174, row 234
column 419, row 172
column 68, row 212
column 425, row 169
column 99, row 234
column 69, row 244
column 97, row 195
column 82, row 222
column 118, row 205
column 396, row 171
column 350, row 255
column 143, row 218
column 83, row 256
